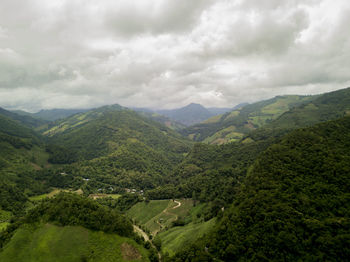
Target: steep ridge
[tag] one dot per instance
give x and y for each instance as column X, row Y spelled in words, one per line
column 232, row 126
column 26, row 120
column 293, row 204
column 325, row 107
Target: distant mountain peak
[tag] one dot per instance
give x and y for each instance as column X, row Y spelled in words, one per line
column 194, row 105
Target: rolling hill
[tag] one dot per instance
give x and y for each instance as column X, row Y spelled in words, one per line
column 23, row 119
column 325, row 107
column 232, row 126
column 71, row 228
column 117, row 147
column 104, row 130
column 70, row 244
column 21, row 148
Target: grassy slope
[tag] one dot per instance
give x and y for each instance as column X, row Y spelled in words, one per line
column 174, row 239
column 51, row 243
column 158, row 215
column 232, row 126
column 143, row 212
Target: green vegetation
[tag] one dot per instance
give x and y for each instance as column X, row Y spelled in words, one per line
column 174, row 224
column 72, row 209
column 275, row 192
column 145, row 211
column 47, row 242
column 101, row 132
column 23, row 119
column 232, row 126
column 177, row 238
column 115, row 148
column 322, row 108
column 44, row 196
column 294, row 203
column 5, row 217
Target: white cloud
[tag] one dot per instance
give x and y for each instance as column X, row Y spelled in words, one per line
column 164, row 53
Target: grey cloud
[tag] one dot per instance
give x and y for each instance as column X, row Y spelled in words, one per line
column 155, row 17
column 165, row 53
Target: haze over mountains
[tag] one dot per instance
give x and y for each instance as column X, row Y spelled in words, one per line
column 278, row 168
column 188, row 115
column 174, row 131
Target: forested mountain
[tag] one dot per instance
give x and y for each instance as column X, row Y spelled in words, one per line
column 294, row 203
column 20, row 146
column 106, row 130
column 232, row 126
column 115, row 146
column 21, row 150
column 26, row 120
column 276, row 192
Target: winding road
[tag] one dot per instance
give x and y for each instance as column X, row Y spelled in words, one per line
column 144, row 234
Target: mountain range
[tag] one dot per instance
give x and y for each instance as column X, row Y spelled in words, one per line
column 267, row 181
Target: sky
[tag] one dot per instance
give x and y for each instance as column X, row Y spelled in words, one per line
column 169, row 53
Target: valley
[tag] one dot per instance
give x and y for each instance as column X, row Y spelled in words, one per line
column 265, row 181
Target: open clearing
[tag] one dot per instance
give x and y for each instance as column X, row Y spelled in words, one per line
column 157, row 217
column 49, row 243
column 53, row 193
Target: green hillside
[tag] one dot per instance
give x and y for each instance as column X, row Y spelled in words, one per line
column 276, row 192
column 23, row 119
column 20, row 146
column 69, row 227
column 47, row 242
column 21, row 152
column 232, row 126
column 178, row 238
column 174, row 224
column 294, row 203
column 115, row 147
column 102, row 131
column 325, row 107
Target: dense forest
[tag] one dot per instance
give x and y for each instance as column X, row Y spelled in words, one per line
column 273, row 187
column 293, row 204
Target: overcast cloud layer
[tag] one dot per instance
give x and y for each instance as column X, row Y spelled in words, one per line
column 167, row 53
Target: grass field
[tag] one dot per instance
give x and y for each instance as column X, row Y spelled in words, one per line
column 157, row 216
column 69, row 244
column 114, row 196
column 143, row 212
column 175, row 238
column 53, row 193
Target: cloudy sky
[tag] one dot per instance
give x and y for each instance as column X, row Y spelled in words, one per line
column 169, row 53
